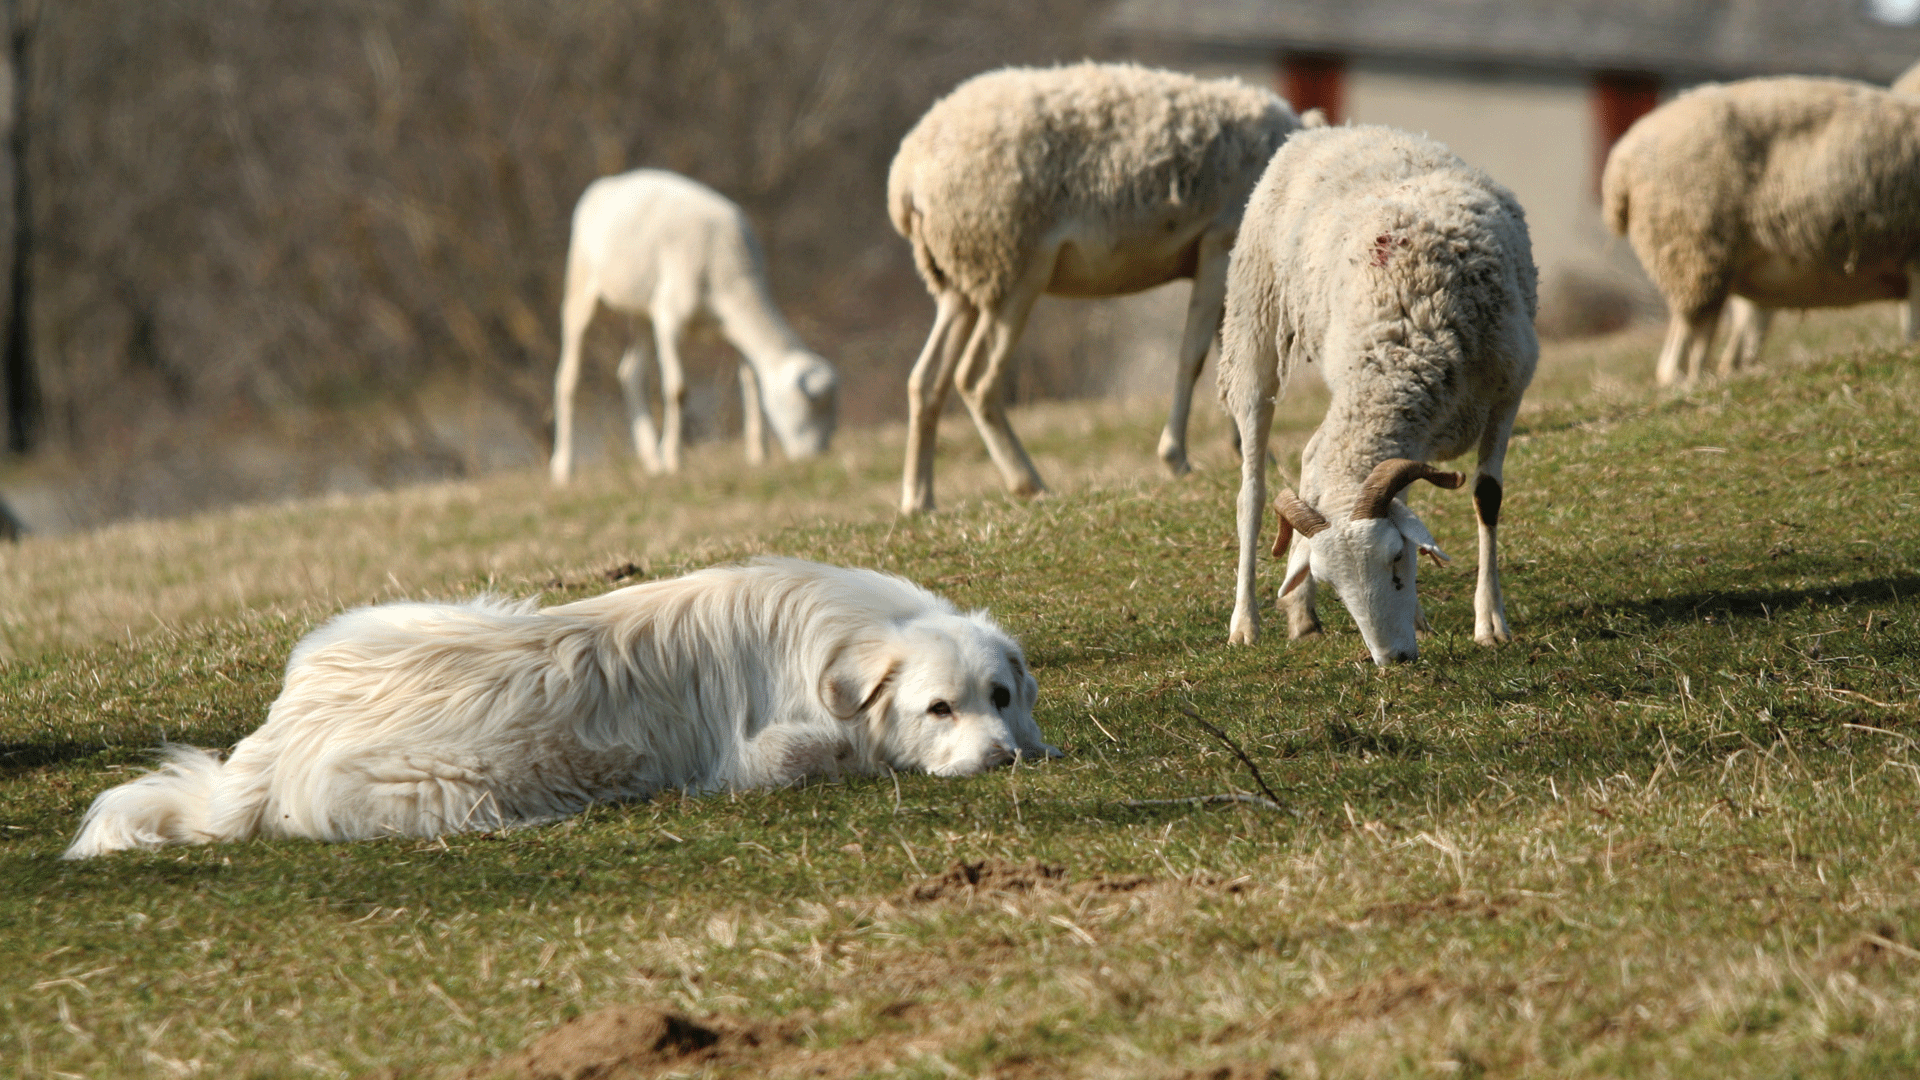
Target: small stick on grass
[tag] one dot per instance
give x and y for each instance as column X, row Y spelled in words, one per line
column 1194, row 715
column 1271, row 802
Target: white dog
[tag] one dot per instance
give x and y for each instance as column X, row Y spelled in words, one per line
column 421, row 719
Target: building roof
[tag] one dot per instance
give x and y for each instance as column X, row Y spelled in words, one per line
column 1711, row 38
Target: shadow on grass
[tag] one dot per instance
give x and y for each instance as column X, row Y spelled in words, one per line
column 17, row 758
column 1757, row 604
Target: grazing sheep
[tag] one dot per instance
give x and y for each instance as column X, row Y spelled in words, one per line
column 1408, row 276
column 1788, row 192
column 1088, row 180
column 664, row 249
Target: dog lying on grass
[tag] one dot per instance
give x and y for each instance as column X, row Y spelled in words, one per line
column 420, row 719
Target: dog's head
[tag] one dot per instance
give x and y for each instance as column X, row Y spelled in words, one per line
column 947, row 693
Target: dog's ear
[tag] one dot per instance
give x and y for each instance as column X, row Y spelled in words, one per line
column 1029, row 686
column 858, row 677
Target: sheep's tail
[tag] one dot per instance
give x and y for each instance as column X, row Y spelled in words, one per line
column 1613, row 193
column 900, row 202
column 169, row 805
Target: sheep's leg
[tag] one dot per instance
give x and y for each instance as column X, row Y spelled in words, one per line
column 633, row 387
column 1910, row 314
column 983, row 374
column 1204, row 307
column 1489, row 604
column 576, row 313
column 752, row 420
column 1688, row 340
column 1667, row 371
column 669, row 320
column 1700, row 330
column 1255, row 417
column 927, row 394
column 1747, row 331
column 1299, row 602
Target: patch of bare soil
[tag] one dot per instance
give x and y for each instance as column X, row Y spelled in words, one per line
column 1239, row 1070
column 965, row 880
column 640, row 1042
column 1393, row 993
column 995, row 877
column 1455, row 905
column 627, row 1042
column 1880, row 948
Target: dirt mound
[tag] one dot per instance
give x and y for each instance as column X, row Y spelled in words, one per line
column 629, row 1042
column 1239, row 1070
column 1396, row 992
column 989, row 876
column 1451, row 905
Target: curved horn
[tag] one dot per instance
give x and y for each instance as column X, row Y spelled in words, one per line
column 1390, row 477
column 1294, row 510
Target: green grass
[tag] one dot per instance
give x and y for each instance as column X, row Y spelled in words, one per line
column 1670, row 831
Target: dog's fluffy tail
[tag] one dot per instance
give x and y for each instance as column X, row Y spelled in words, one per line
column 166, row 806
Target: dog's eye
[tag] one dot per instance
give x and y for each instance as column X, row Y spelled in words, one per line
column 940, row 708
column 1002, row 697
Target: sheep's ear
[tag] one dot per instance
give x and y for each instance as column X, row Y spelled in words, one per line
column 859, row 676
column 1299, row 576
column 819, row 381
column 1415, row 530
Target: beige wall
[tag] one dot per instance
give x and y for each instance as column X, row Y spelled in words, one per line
column 1533, row 132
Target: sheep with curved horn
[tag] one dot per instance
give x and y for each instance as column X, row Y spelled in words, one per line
column 1409, row 277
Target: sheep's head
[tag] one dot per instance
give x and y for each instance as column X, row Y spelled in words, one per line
column 1370, row 559
column 801, row 398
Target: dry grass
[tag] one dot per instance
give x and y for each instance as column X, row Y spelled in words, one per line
column 1667, row 833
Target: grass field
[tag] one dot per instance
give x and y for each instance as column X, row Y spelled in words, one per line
column 1670, row 831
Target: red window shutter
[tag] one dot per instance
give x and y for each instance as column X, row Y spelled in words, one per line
column 1314, row 81
column 1619, row 98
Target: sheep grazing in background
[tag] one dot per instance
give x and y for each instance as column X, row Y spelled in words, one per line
column 664, row 250
column 1789, row 192
column 1087, row 180
column 1408, row 276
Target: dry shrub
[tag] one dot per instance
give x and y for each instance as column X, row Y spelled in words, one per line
column 259, row 209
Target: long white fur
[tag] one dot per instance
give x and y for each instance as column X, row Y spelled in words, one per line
column 420, row 719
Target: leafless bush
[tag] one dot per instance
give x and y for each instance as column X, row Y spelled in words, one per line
column 309, row 209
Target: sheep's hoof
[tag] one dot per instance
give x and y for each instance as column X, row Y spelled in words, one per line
column 1493, row 637
column 1305, row 633
column 1243, row 632
column 1174, row 456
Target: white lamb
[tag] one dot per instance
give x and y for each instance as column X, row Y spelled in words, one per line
column 663, row 249
column 1408, row 275
column 1088, row 180
column 1790, row 192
